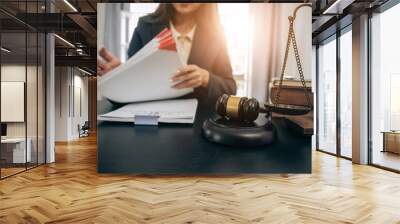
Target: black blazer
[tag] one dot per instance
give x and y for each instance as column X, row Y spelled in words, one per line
column 208, row 52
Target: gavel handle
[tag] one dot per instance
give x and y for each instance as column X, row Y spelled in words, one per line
column 263, row 110
column 267, row 113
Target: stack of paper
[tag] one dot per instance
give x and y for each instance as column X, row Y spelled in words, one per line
column 146, row 75
column 167, row 111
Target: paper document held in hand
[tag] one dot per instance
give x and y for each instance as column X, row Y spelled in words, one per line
column 146, row 75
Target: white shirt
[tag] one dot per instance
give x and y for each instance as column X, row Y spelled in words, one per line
column 183, row 42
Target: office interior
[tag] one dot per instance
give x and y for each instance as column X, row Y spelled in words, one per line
column 49, row 92
column 47, row 76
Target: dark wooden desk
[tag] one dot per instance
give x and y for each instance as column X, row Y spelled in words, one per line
column 181, row 149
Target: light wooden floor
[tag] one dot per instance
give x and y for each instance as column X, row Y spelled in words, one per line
column 387, row 159
column 10, row 171
column 71, row 191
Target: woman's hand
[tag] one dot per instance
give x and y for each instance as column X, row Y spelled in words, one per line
column 190, row 76
column 107, row 62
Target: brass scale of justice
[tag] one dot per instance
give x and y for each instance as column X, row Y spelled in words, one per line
column 238, row 123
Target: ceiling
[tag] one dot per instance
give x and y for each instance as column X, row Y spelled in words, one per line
column 74, row 21
column 332, row 15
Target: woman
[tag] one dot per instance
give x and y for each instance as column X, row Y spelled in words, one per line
column 200, row 42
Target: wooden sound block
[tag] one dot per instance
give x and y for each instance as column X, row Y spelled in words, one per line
column 239, row 134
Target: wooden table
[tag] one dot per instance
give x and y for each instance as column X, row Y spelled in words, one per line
column 391, row 141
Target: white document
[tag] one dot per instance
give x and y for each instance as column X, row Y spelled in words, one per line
column 145, row 76
column 168, row 111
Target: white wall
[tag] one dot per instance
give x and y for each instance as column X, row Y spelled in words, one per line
column 17, row 73
column 80, row 103
column 14, row 73
column 33, row 126
column 70, row 83
column 62, row 81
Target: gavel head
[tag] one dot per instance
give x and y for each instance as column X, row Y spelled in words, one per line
column 237, row 108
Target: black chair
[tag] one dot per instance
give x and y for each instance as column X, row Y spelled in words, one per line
column 84, row 130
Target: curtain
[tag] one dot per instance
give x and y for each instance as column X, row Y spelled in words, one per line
column 109, row 30
column 110, row 27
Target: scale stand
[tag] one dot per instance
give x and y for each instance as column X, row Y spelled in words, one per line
column 261, row 131
column 287, row 109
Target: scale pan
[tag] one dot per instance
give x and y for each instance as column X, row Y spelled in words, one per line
column 286, row 109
